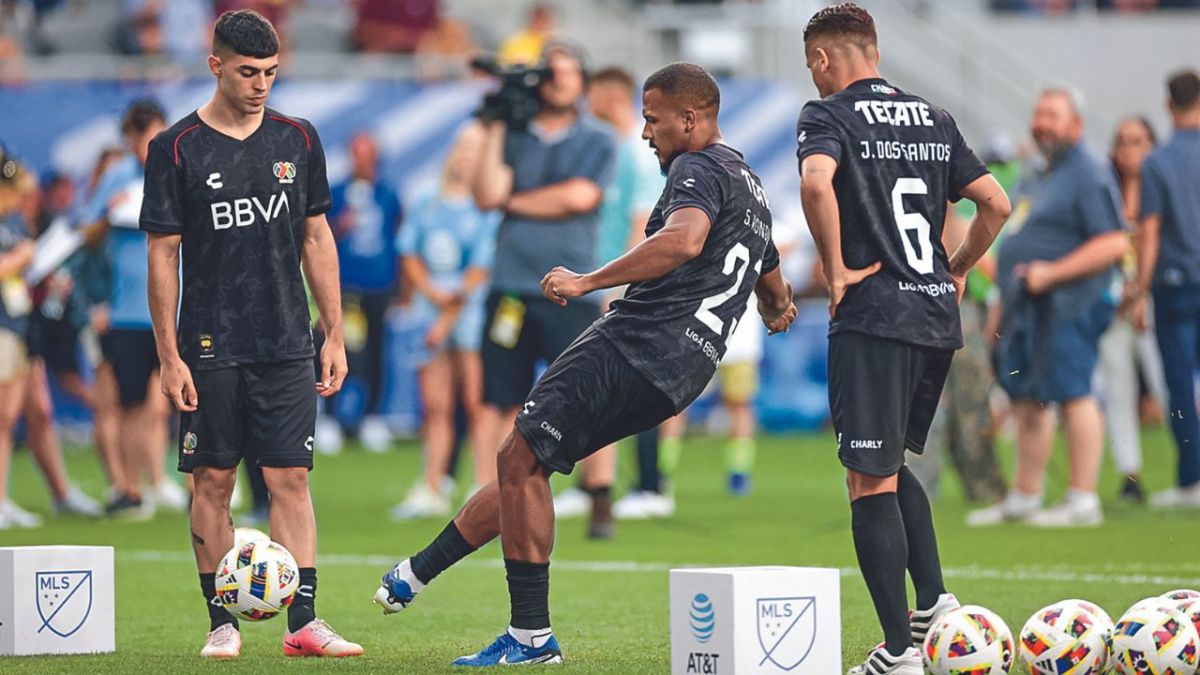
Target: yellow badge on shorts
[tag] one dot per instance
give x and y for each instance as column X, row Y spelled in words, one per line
column 507, row 322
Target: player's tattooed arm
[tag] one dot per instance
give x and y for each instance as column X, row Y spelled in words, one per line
column 163, row 292
column 319, row 258
column 681, row 239
column 992, row 209
column 824, row 221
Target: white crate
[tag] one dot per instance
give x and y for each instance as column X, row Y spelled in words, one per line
column 56, row 600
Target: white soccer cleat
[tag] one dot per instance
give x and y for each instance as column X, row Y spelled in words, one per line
column 572, row 503
column 1177, row 498
column 223, row 643
column 12, row 515
column 923, row 620
column 643, row 505
column 78, row 503
column 421, row 502
column 880, row 662
column 1007, row 511
column 1069, row 513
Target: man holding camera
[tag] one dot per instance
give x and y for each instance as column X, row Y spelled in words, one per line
column 547, row 175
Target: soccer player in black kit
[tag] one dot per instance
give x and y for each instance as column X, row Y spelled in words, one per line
column 878, row 166
column 708, row 247
column 242, row 189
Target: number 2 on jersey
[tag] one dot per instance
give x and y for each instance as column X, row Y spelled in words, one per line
column 919, row 258
column 739, row 253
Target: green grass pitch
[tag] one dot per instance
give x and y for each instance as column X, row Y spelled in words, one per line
column 609, row 614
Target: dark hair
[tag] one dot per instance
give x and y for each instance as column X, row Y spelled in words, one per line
column 1136, row 119
column 615, row 75
column 688, row 83
column 245, row 32
column 140, row 114
column 846, row 20
column 1184, row 89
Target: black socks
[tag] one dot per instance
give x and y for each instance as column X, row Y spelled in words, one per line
column 924, row 565
column 303, row 608
column 446, row 549
column 217, row 614
column 882, row 548
column 529, row 593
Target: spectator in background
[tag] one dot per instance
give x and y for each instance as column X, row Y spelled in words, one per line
column 447, row 246
column 1168, row 267
column 392, row 26
column 527, row 45
column 365, row 217
column 1125, row 350
column 127, row 333
column 1056, row 273
column 549, row 181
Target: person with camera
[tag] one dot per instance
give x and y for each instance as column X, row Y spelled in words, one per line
column 545, row 166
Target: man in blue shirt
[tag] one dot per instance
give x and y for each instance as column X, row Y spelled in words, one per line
column 549, row 182
column 1168, row 262
column 1056, row 271
column 365, row 217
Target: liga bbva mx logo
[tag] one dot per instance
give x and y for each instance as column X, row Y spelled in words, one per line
column 64, row 600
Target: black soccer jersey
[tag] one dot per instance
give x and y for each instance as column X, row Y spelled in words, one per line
column 673, row 329
column 240, row 207
column 900, row 159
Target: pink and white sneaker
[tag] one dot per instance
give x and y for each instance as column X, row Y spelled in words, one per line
column 318, row 639
column 223, row 643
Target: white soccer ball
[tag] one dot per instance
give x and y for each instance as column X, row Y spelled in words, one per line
column 1067, row 638
column 245, row 535
column 1159, row 640
column 1191, row 609
column 257, row 580
column 970, row 639
column 1181, row 594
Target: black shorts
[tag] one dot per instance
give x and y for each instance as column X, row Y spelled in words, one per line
column 545, row 331
column 265, row 411
column 134, row 359
column 56, row 341
column 882, row 394
column 589, row 398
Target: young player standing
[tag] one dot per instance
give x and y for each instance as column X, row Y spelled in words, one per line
column 708, row 246
column 242, row 189
column 878, row 166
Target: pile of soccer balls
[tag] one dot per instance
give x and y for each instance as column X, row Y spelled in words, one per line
column 258, row 578
column 1157, row 636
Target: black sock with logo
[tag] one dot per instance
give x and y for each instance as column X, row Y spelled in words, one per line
column 882, row 549
column 529, row 594
column 217, row 614
column 304, row 603
column 447, row 549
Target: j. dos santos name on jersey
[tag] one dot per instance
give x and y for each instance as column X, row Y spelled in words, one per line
column 246, row 211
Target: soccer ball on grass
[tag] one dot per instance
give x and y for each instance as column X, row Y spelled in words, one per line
column 257, row 580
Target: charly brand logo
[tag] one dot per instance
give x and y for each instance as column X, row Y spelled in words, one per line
column 787, row 630
column 702, row 618
column 214, row 181
column 64, row 600
column 285, row 172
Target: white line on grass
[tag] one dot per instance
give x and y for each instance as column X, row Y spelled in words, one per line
column 1023, row 574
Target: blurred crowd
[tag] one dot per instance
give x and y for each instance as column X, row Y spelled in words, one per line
column 1065, row 6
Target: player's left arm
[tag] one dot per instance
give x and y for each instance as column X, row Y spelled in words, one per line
column 681, row 239
column 319, row 258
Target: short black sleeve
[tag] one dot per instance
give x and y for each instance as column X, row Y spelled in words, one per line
column 319, row 198
column 162, row 207
column 816, row 133
column 694, row 182
column 965, row 167
column 770, row 258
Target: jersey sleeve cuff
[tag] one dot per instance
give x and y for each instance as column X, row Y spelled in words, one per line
column 162, row 228
column 712, row 217
column 317, row 210
column 971, row 178
column 769, row 268
column 832, row 152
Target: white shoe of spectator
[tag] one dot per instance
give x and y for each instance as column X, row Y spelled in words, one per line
column 167, row 495
column 328, row 439
column 421, row 502
column 643, row 505
column 78, row 503
column 1177, row 497
column 1073, row 511
column 1014, row 508
column 572, row 503
column 375, row 435
column 12, row 515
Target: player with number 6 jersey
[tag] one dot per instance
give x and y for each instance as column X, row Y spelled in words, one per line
column 878, row 166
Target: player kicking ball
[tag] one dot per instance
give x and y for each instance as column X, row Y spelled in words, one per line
column 242, row 189
column 708, row 246
column 878, row 166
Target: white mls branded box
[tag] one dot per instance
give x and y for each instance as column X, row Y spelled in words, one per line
column 739, row 620
column 56, row 600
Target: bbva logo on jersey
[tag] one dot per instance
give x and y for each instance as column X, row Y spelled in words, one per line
column 245, row 212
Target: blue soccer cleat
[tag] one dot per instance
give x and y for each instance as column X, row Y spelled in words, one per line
column 507, row 651
column 739, row 484
column 394, row 593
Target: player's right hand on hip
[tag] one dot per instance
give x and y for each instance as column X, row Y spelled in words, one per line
column 178, row 386
column 844, row 279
